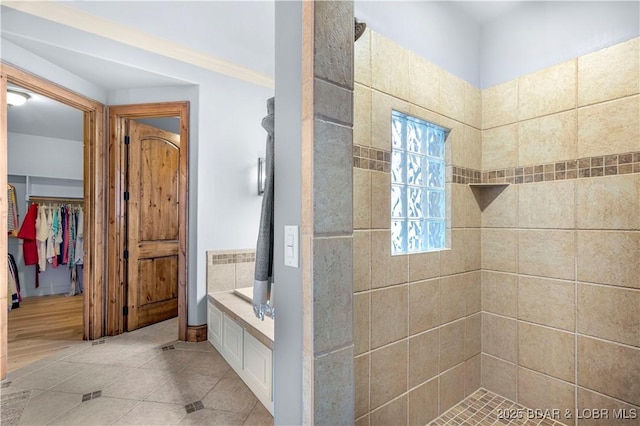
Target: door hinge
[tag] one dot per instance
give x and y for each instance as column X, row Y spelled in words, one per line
column 125, row 311
column 125, row 254
column 126, row 195
column 127, row 140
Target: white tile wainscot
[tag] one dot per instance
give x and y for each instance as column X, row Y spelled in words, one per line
column 244, row 341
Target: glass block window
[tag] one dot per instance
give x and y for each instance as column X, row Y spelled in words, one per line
column 417, row 185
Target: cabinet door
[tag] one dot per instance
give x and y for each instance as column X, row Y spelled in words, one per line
column 258, row 366
column 214, row 323
column 232, row 340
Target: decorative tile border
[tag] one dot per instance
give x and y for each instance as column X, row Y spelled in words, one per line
column 603, row 165
column 234, row 256
column 371, row 159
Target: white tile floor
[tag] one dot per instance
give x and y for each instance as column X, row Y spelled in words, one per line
column 144, row 377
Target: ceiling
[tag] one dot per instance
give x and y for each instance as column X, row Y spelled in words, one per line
column 240, row 32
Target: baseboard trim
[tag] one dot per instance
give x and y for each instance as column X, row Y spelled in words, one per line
column 197, row 333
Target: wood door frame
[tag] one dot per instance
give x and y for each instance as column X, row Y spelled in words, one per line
column 94, row 184
column 116, row 291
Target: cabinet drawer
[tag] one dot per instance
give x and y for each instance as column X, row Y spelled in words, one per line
column 232, row 340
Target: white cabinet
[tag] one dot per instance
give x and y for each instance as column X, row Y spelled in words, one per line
column 250, row 358
column 214, row 324
column 232, row 342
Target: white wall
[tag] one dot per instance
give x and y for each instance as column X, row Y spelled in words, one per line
column 41, row 156
column 436, row 30
column 539, row 34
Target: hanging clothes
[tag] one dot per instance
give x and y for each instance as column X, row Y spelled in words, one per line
column 28, row 232
column 13, row 282
column 79, row 249
column 263, row 277
column 14, row 223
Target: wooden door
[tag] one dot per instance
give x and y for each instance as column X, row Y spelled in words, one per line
column 153, row 225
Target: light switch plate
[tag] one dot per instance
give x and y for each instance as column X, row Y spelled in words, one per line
column 291, row 246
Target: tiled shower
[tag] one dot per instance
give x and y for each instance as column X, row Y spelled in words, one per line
column 538, row 297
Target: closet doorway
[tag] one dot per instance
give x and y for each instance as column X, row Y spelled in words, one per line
column 88, row 191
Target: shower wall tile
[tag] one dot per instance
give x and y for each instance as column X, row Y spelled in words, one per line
column 609, row 257
column 452, row 295
column 608, row 368
column 399, row 269
column 456, row 204
column 500, row 337
column 361, row 322
column 361, row 198
column 499, row 249
column 332, row 204
column 389, row 67
column 547, row 91
column 547, row 253
column 423, row 403
column 500, row 147
column 472, row 106
column 499, row 206
column 455, row 143
column 361, row 261
column 363, row 421
column 609, row 128
column 423, row 357
column 473, row 336
column 380, row 258
column 334, row 386
column 333, row 281
column 609, row 313
column 472, row 247
column 499, row 376
column 452, row 96
column 587, row 400
column 500, row 105
column 538, row 391
column 472, row 207
column 221, row 277
column 453, row 261
column 381, row 107
column 392, row 412
column 473, row 292
column 388, row 373
column 424, row 83
column 362, row 115
column 547, row 205
column 547, row 351
column 451, row 387
column 472, row 148
column 333, row 43
column 333, row 102
column 597, row 82
column 362, row 59
column 611, row 202
column 423, row 266
column 451, row 344
column 424, row 303
column 472, row 374
column 361, row 384
column 547, row 302
column 380, row 200
column 500, row 293
column 389, row 315
column 547, row 139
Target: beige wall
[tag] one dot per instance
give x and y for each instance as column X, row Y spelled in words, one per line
column 230, row 269
column 417, row 317
column 552, row 261
column 561, row 248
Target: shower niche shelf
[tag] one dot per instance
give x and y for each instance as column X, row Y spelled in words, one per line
column 488, row 185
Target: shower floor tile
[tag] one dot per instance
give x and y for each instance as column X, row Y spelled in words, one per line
column 485, row 408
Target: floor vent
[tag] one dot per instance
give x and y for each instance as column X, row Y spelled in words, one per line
column 98, row 342
column 168, row 348
column 5, row 384
column 198, row 405
column 91, row 395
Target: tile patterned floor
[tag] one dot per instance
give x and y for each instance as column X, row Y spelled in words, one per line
column 484, row 408
column 145, row 377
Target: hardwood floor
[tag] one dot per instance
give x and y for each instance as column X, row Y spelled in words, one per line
column 42, row 326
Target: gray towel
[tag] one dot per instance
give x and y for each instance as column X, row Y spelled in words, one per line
column 264, row 248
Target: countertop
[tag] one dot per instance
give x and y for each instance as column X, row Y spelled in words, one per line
column 241, row 311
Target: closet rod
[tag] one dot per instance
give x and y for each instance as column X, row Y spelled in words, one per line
column 56, row 200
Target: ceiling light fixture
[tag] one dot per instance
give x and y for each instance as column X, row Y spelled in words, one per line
column 15, row 98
